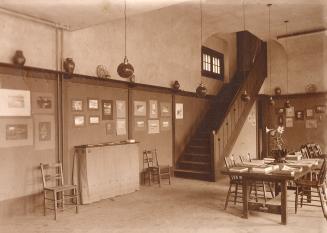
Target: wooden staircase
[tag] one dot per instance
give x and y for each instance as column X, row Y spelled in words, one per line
column 197, row 160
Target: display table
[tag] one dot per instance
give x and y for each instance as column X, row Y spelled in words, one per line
column 107, row 170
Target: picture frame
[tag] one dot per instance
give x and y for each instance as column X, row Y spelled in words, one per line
column 94, row 120
column 280, row 110
column 179, row 112
column 153, row 127
column 121, row 127
column 92, row 104
column 16, row 132
column 107, row 109
column 15, row 102
column 139, row 108
column 139, row 124
column 77, row 105
column 289, row 112
column 311, row 124
column 153, row 109
column 42, row 103
column 165, row 109
column 79, row 120
column 289, row 122
column 110, row 129
column 320, row 109
column 121, row 108
column 299, row 115
column 309, row 113
column 44, row 128
column 165, row 124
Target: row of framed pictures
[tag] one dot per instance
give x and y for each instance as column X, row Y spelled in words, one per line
column 300, row 114
column 107, row 106
column 38, row 131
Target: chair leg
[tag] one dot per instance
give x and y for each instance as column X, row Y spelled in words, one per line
column 255, row 191
column 236, row 191
column 76, row 199
column 159, row 178
column 322, row 201
column 169, row 175
column 264, row 191
column 44, row 203
column 301, row 197
column 228, row 194
column 271, row 190
column 55, row 204
column 296, row 198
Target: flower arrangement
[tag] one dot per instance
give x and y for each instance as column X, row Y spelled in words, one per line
column 278, row 147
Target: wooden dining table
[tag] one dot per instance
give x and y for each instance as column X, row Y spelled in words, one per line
column 280, row 180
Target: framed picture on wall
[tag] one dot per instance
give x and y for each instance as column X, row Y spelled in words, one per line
column 153, row 108
column 165, row 124
column 121, row 127
column 320, row 108
column 79, row 120
column 15, row 102
column 280, row 110
column 42, row 103
column 77, row 105
column 311, row 124
column 94, row 120
column 179, row 111
column 110, row 129
column 289, row 122
column 153, row 126
column 121, row 108
column 289, row 112
column 299, row 115
column 16, row 132
column 44, row 128
column 309, row 113
column 139, row 108
column 165, row 109
column 139, row 124
column 93, row 104
column 107, row 109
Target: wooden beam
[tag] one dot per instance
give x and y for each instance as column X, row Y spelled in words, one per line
column 318, row 30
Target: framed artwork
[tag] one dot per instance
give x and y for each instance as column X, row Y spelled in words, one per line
column 77, row 105
column 165, row 109
column 289, row 112
column 139, row 108
column 309, row 112
column 139, row 125
column 121, row 127
column 15, row 102
column 299, row 115
column 320, row 108
column 42, row 103
column 107, row 109
column 44, row 128
column 165, row 124
column 280, row 120
column 179, row 111
column 280, row 110
column 16, row 132
column 121, row 108
column 79, row 120
column 289, row 122
column 92, row 104
column 94, row 120
column 311, row 124
column 110, row 129
column 153, row 126
column 153, row 108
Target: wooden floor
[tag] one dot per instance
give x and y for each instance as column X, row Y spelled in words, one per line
column 185, row 206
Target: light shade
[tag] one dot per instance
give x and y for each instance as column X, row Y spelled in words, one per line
column 125, row 69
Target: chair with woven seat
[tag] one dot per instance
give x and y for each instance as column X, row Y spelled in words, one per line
column 152, row 170
column 304, row 186
column 55, row 191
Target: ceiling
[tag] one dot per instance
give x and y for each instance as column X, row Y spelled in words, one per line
column 218, row 15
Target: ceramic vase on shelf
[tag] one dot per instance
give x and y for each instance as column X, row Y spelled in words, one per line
column 69, row 66
column 19, row 58
column 176, row 85
column 201, row 90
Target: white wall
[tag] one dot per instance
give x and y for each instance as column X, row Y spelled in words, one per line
column 306, row 64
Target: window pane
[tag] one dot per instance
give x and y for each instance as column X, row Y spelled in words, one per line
column 218, row 69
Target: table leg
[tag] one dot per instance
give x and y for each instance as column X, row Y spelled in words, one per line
column 277, row 189
column 245, row 192
column 284, row 201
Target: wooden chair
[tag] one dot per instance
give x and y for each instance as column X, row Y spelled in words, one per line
column 304, row 186
column 304, row 152
column 152, row 170
column 234, row 181
column 55, row 191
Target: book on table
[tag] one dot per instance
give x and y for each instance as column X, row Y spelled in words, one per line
column 238, row 169
column 264, row 168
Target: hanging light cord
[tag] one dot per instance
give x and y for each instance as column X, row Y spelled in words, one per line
column 243, row 9
column 269, row 47
column 125, row 27
column 201, row 22
column 286, row 21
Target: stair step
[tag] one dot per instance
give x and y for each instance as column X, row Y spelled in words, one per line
column 202, row 149
column 194, row 165
column 196, row 157
column 192, row 174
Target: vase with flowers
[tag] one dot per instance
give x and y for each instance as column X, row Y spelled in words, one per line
column 278, row 151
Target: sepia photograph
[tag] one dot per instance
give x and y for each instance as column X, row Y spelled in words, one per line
column 163, row 116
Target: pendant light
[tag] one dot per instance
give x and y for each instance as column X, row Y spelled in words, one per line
column 201, row 90
column 271, row 100
column 245, row 96
column 125, row 69
column 287, row 103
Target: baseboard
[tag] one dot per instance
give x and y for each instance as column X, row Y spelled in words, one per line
column 21, row 206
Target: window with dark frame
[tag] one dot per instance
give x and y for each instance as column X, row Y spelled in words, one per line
column 212, row 63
